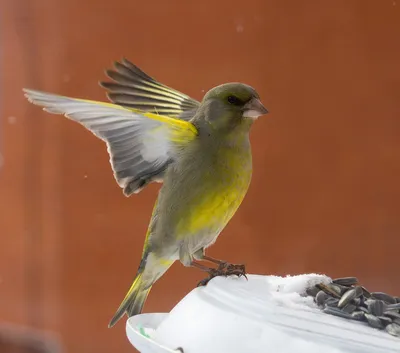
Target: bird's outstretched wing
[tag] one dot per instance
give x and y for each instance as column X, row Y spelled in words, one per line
column 140, row 144
column 133, row 88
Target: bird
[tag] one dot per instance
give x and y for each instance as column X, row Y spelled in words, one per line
column 199, row 151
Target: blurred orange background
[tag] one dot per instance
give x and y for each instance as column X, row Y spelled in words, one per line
column 325, row 195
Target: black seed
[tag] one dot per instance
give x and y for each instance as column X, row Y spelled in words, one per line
column 392, row 314
column 385, row 320
column 312, row 291
column 383, row 296
column 337, row 312
column 349, row 296
column 321, row 298
column 349, row 308
column 358, row 315
column 373, row 321
column 346, row 281
column 332, row 302
column 356, row 301
column 393, row 329
column 366, row 293
column 376, row 307
column 328, row 290
column 394, row 307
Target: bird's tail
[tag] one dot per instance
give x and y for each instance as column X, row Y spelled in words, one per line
column 150, row 270
column 133, row 301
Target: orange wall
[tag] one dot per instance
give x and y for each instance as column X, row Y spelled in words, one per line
column 325, row 195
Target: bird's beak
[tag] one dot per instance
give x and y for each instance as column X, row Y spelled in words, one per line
column 254, row 108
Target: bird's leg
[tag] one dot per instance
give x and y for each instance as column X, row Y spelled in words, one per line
column 222, row 265
column 202, row 267
column 212, row 272
column 200, row 256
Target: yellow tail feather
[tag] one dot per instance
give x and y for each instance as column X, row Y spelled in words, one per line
column 129, row 301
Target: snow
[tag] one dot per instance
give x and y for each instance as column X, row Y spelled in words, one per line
column 263, row 314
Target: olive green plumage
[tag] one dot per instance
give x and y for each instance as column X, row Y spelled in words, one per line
column 200, row 151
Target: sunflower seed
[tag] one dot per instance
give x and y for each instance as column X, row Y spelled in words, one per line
column 393, row 329
column 374, row 321
column 391, row 307
column 376, row 307
column 343, row 298
column 358, row 315
column 357, row 301
column 332, row 302
column 346, row 281
column 349, row 296
column 385, row 320
column 349, row 308
column 328, row 290
column 392, row 314
column 366, row 293
column 337, row 312
column 343, row 289
column 321, row 298
column 312, row 291
column 383, row 296
column 339, row 290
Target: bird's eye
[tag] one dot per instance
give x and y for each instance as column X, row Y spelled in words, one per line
column 234, row 100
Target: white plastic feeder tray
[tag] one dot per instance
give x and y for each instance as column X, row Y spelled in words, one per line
column 263, row 314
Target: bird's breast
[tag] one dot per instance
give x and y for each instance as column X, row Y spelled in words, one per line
column 213, row 185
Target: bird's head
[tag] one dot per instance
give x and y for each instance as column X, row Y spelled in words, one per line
column 230, row 104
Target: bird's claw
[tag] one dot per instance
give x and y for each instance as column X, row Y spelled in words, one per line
column 236, row 270
column 212, row 273
column 224, row 269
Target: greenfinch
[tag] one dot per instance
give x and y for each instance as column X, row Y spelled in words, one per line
column 199, row 151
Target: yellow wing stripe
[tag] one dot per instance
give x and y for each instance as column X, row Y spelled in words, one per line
column 176, row 123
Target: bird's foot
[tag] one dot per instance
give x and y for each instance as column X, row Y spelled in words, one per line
column 235, row 270
column 224, row 269
column 212, row 273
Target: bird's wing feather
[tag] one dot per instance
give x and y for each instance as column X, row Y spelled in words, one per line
column 140, row 144
column 133, row 88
